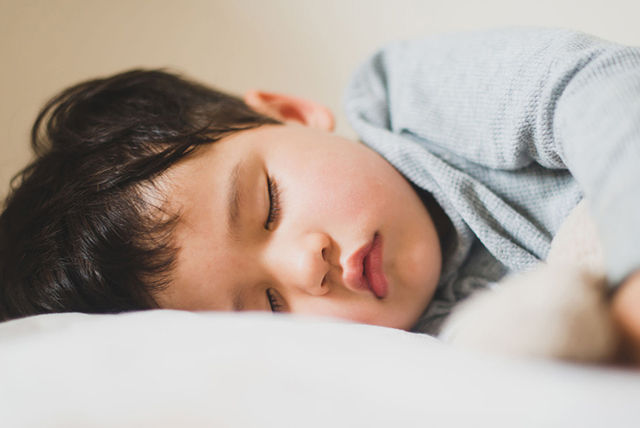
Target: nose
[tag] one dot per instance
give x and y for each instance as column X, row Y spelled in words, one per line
column 304, row 265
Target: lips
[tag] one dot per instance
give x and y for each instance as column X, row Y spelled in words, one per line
column 373, row 269
column 363, row 269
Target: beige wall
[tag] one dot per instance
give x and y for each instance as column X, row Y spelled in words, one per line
column 299, row 46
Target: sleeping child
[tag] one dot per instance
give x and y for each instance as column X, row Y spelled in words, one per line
column 149, row 190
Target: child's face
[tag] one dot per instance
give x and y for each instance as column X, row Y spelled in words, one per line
column 335, row 195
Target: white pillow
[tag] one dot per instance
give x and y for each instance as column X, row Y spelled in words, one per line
column 180, row 369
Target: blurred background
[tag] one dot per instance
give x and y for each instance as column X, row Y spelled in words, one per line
column 304, row 47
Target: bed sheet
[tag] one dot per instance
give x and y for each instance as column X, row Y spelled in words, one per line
column 172, row 368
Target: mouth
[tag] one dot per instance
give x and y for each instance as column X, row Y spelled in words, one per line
column 363, row 269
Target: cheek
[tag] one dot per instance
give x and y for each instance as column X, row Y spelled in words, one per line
column 344, row 192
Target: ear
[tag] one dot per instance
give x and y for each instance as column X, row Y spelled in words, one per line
column 290, row 109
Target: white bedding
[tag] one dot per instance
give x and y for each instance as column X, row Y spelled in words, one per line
column 171, row 368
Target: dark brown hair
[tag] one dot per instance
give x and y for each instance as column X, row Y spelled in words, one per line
column 77, row 232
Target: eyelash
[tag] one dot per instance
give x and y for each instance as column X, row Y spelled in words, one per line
column 273, row 301
column 274, row 203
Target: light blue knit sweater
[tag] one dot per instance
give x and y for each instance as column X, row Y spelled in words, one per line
column 508, row 130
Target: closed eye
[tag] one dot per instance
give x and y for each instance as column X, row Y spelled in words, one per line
column 274, row 203
column 276, row 303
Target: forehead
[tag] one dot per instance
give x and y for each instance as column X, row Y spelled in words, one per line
column 195, row 192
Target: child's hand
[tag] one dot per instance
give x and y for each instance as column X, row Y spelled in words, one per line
column 626, row 314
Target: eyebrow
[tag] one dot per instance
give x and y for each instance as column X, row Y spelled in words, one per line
column 233, row 200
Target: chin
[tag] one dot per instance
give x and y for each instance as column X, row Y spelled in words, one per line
column 402, row 322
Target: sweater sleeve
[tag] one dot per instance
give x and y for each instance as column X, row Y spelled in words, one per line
column 596, row 131
column 505, row 99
